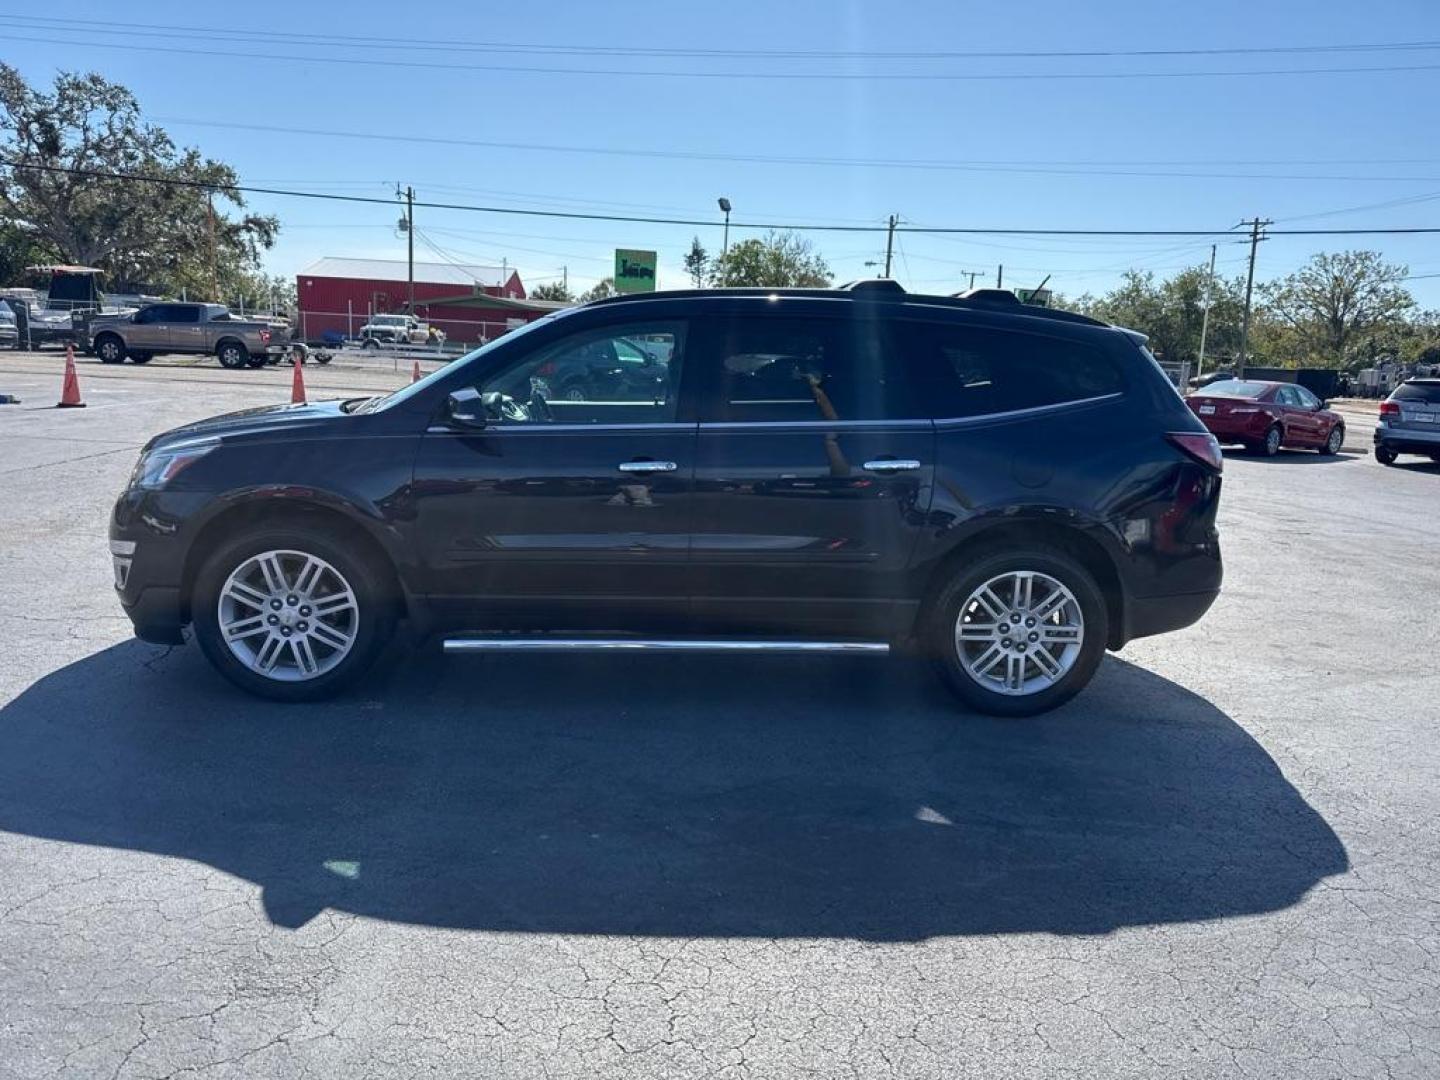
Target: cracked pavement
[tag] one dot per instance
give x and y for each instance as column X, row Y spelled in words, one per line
column 1219, row 861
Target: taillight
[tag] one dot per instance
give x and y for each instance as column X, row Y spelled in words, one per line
column 1389, row 408
column 1200, row 445
column 265, row 337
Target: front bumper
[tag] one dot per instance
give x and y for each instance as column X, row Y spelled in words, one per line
column 148, row 557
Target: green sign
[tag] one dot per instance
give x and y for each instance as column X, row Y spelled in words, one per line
column 1038, row 297
column 634, row 271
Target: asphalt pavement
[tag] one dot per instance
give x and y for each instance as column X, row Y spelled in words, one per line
column 1218, row 861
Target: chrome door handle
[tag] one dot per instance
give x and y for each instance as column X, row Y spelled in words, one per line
column 883, row 465
column 647, row 466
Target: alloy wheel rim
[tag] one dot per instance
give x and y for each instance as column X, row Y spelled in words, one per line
column 1272, row 440
column 1333, row 443
column 1019, row 633
column 288, row 615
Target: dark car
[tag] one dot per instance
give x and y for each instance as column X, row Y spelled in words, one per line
column 1009, row 489
column 1409, row 422
column 1265, row 416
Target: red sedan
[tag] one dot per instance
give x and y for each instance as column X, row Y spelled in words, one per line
column 1265, row 416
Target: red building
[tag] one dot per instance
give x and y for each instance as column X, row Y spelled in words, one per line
column 339, row 295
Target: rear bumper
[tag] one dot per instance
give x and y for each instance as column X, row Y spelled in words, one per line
column 1146, row 616
column 1408, row 441
column 1238, row 428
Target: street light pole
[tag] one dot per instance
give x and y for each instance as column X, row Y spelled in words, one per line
column 725, row 243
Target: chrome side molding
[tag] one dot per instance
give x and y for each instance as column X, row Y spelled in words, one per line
column 683, row 645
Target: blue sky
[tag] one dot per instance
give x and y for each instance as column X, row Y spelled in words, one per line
column 1034, row 152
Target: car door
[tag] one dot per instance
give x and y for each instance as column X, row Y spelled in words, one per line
column 1316, row 422
column 149, row 330
column 811, row 479
column 187, row 330
column 1298, row 421
column 558, row 513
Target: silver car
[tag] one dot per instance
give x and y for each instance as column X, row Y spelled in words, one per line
column 1409, row 422
column 9, row 334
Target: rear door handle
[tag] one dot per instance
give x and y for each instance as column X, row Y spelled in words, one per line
column 884, row 465
column 647, row 466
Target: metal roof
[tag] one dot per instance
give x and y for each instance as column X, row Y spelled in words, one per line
column 431, row 273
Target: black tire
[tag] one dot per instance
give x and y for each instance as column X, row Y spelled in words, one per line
column 368, row 581
column 1385, row 455
column 256, row 360
column 110, row 349
column 232, row 354
column 141, row 358
column 370, row 343
column 1335, row 441
column 323, row 358
column 940, row 634
column 1274, row 437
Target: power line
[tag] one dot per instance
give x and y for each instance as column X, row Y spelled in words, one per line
column 96, row 174
column 763, row 159
column 780, row 76
column 269, row 37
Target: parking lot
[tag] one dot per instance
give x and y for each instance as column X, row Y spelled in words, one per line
column 1219, row 861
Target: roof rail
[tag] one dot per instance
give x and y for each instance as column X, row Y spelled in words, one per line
column 874, row 284
column 874, row 290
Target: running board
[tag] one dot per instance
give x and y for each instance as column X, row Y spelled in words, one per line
column 680, row 645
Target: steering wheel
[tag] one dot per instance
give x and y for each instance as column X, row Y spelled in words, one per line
column 504, row 407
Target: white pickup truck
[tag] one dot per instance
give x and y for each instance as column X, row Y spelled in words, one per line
column 394, row 330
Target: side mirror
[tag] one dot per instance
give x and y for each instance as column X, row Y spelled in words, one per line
column 1323, row 405
column 466, row 408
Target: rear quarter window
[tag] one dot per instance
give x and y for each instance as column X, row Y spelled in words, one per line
column 963, row 371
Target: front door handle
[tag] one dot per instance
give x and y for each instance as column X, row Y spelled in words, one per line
column 647, row 466
column 884, row 465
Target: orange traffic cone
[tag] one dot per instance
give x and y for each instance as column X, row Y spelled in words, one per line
column 415, row 374
column 297, row 386
column 70, row 390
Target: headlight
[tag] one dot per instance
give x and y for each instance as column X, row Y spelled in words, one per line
column 158, row 467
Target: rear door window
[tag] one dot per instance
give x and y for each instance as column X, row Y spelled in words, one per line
column 185, row 313
column 789, row 370
column 963, row 371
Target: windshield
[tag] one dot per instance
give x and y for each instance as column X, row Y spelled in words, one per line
column 1236, row 388
column 405, row 393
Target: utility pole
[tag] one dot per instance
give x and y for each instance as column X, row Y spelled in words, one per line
column 565, row 280
column 1205, row 317
column 214, row 266
column 1256, row 224
column 889, row 244
column 1000, row 276
column 408, row 224
column 973, row 275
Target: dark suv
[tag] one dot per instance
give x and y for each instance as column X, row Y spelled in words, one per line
column 1008, row 489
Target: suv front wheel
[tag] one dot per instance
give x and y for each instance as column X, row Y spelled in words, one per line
column 1019, row 632
column 290, row 612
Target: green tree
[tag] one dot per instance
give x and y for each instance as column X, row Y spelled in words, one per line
column 152, row 234
column 1170, row 312
column 599, row 291
column 553, row 290
column 779, row 260
column 1338, row 300
column 697, row 263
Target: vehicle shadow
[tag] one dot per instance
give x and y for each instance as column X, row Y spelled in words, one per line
column 1295, row 457
column 694, row 796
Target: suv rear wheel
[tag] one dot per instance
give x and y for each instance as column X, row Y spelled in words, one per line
column 1019, row 632
column 1385, row 455
column 290, row 612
